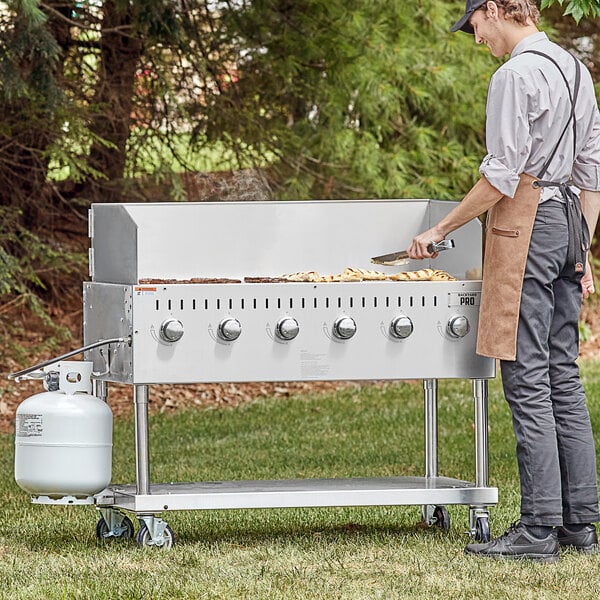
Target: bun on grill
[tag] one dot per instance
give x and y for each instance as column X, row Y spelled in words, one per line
column 421, row 275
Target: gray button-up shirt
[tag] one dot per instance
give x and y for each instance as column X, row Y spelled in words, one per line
column 527, row 108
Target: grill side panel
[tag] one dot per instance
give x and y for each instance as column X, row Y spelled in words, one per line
column 108, row 313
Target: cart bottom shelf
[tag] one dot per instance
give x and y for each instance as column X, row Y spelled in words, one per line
column 297, row 493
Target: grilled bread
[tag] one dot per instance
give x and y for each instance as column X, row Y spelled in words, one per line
column 420, row 275
column 358, row 274
column 368, row 275
column 439, row 275
column 303, row 276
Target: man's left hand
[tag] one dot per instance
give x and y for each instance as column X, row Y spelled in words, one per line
column 587, row 281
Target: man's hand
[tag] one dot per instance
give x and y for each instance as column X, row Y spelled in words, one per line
column 587, row 281
column 418, row 247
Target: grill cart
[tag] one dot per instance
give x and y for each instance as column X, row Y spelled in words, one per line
column 192, row 293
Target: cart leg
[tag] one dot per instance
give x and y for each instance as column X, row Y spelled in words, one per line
column 479, row 515
column 142, row 461
column 430, row 389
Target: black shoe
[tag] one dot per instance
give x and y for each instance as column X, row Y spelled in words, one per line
column 583, row 540
column 518, row 544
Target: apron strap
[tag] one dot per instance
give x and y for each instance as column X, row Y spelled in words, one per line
column 579, row 235
column 573, row 100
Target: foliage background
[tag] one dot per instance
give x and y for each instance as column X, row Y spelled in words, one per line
column 146, row 100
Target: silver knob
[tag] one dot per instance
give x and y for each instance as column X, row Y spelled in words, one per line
column 171, row 330
column 230, row 329
column 287, row 328
column 458, row 326
column 401, row 327
column 344, row 328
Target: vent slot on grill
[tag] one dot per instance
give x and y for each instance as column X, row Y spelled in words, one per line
column 303, row 302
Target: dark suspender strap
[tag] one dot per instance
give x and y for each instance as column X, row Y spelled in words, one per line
column 579, row 236
column 573, row 100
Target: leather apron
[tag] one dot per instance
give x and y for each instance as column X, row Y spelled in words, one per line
column 509, row 226
column 508, row 235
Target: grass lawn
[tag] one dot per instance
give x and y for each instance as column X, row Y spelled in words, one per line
column 360, row 553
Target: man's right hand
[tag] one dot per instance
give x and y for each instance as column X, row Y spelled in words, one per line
column 418, row 247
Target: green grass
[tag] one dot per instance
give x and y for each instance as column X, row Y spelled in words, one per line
column 359, row 553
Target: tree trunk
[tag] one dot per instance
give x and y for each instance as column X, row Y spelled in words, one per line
column 120, row 52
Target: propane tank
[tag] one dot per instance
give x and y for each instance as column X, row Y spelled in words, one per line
column 63, row 437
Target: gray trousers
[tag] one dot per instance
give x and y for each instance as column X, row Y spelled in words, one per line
column 555, row 447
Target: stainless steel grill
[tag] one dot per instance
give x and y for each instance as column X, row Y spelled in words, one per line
column 151, row 268
column 189, row 332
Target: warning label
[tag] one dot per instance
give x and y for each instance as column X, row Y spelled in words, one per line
column 144, row 291
column 29, row 425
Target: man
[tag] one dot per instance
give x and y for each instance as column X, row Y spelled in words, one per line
column 542, row 135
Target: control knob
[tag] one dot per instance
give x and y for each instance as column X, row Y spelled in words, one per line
column 401, row 327
column 344, row 328
column 287, row 328
column 171, row 330
column 458, row 326
column 229, row 329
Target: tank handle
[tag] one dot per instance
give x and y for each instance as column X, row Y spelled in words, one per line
column 75, row 376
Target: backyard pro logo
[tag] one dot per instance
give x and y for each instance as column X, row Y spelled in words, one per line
column 464, row 299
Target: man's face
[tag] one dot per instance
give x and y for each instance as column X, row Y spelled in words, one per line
column 487, row 25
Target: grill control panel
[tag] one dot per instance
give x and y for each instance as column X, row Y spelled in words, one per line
column 286, row 332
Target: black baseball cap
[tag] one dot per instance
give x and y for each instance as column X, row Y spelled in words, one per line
column 463, row 23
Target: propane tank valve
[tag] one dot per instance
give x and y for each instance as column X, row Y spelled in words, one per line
column 52, row 381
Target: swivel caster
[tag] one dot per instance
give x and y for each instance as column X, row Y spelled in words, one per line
column 155, row 532
column 113, row 524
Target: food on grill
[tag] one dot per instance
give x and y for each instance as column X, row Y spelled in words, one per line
column 264, row 280
column 330, row 278
column 213, row 280
column 473, row 274
column 439, row 275
column 420, row 275
column 357, row 274
column 303, row 276
column 349, row 274
column 193, row 280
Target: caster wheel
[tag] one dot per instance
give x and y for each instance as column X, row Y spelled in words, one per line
column 482, row 530
column 442, row 518
column 125, row 530
column 145, row 540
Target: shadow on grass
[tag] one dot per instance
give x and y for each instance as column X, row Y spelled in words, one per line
column 65, row 536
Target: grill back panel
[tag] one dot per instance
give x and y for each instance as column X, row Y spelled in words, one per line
column 238, row 239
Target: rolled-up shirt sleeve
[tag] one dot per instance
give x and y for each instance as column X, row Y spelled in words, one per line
column 586, row 168
column 508, row 136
